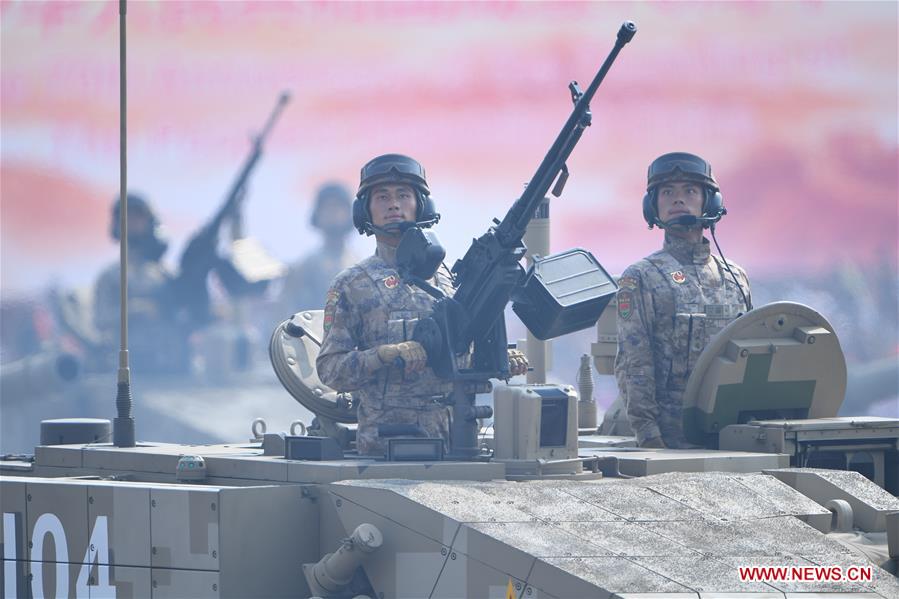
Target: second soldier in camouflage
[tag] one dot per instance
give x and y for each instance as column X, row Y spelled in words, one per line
column 672, row 302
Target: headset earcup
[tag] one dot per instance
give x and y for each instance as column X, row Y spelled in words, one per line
column 649, row 209
column 714, row 204
column 427, row 208
column 361, row 218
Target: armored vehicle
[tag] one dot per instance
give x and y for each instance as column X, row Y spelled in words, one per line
column 792, row 501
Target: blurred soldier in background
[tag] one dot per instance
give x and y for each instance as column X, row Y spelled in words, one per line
column 308, row 279
column 164, row 309
column 157, row 340
column 672, row 302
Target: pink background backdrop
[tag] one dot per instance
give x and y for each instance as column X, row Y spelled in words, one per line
column 794, row 104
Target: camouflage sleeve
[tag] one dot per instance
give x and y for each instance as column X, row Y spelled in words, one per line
column 635, row 365
column 742, row 280
column 744, row 283
column 341, row 364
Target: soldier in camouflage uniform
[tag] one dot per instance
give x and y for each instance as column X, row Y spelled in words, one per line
column 671, row 303
column 158, row 340
column 307, row 281
column 370, row 315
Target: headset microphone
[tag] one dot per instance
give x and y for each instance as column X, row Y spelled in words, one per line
column 690, row 220
column 391, row 229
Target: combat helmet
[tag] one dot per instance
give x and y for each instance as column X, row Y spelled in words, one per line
column 331, row 192
column 153, row 245
column 396, row 168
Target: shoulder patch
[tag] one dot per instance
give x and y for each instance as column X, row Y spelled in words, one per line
column 625, row 303
column 678, row 276
column 391, row 281
column 330, row 308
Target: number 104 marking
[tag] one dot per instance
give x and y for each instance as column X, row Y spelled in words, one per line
column 96, row 553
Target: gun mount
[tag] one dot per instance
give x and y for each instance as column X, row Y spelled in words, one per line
column 490, row 275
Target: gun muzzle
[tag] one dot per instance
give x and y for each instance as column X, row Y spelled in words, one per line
column 627, row 31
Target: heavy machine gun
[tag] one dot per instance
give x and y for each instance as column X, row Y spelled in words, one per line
column 200, row 255
column 490, row 275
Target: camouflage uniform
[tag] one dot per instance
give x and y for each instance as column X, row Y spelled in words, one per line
column 670, row 304
column 307, row 281
column 368, row 306
column 157, row 342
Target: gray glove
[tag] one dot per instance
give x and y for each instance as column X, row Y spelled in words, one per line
column 409, row 355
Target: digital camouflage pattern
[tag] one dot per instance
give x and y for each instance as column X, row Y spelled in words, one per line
column 368, row 306
column 670, row 304
column 307, row 281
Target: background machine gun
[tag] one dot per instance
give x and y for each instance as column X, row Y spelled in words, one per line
column 200, row 255
column 490, row 275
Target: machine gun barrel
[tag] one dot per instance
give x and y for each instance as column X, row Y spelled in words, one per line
column 489, row 272
column 512, row 227
column 235, row 192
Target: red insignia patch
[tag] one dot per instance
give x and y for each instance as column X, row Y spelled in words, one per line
column 330, row 308
column 678, row 276
column 391, row 281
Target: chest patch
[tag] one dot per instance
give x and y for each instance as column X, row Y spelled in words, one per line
column 391, row 281
column 678, row 277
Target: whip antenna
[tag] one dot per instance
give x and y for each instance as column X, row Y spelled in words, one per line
column 123, row 425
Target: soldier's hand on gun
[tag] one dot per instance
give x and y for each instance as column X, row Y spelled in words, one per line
column 409, row 355
column 518, row 362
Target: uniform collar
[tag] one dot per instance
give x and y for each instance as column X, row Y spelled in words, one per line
column 386, row 253
column 687, row 252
